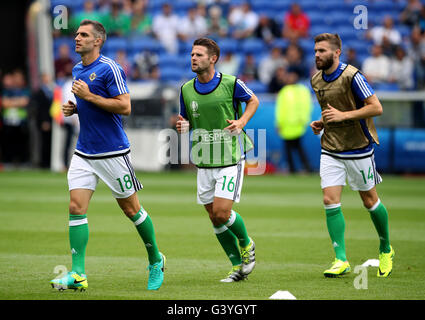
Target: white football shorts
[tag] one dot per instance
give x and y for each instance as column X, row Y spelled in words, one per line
column 117, row 172
column 220, row 182
column 361, row 174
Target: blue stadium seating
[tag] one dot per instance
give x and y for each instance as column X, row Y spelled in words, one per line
column 386, row 87
column 228, row 45
column 257, row 87
column 325, row 16
column 167, row 60
column 114, row 44
column 171, row 74
column 253, row 45
column 280, row 43
column 140, row 43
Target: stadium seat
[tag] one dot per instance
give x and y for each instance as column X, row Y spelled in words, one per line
column 280, row 43
column 141, row 43
column 252, row 46
column 74, row 5
column 185, row 48
column 257, row 87
column 171, row 74
column 228, row 45
column 169, row 60
column 114, row 44
column 386, row 87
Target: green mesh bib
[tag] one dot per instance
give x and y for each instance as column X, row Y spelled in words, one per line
column 207, row 114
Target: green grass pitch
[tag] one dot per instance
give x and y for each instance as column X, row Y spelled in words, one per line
column 283, row 214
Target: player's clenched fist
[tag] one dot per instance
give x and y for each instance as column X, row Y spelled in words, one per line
column 317, row 126
column 69, row 108
column 182, row 125
column 80, row 89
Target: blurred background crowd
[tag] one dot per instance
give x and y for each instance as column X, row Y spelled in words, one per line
column 262, row 42
column 259, row 39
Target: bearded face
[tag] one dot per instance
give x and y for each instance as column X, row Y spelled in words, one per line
column 325, row 55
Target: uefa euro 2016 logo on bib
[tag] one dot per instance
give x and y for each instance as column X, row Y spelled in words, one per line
column 194, row 107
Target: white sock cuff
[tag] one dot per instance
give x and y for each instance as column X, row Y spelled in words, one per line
column 221, row 229
column 231, row 219
column 332, row 206
column 79, row 222
column 373, row 208
column 143, row 216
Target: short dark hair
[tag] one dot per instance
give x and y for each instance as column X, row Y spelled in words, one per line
column 211, row 45
column 332, row 38
column 98, row 29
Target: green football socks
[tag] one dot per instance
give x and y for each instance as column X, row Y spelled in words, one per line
column 78, row 238
column 237, row 226
column 379, row 216
column 145, row 228
column 229, row 242
column 336, row 228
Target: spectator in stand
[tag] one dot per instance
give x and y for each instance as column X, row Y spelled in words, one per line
column 141, row 20
column 41, row 101
column 193, row 25
column 145, row 66
column 294, row 56
column 64, row 63
column 117, row 22
column 267, row 29
column 296, row 23
column 269, row 64
column 103, row 6
column 416, row 52
column 421, row 20
column 376, row 68
column 352, row 58
column 127, row 6
column 217, row 25
column 122, row 60
column 15, row 100
column 228, row 64
column 410, row 14
column 278, row 80
column 386, row 32
column 243, row 21
column 89, row 12
column 401, row 69
column 165, row 28
column 249, row 69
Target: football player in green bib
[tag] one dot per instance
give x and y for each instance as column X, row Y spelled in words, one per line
column 211, row 107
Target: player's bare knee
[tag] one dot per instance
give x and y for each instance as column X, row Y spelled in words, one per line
column 130, row 212
column 220, row 216
column 369, row 203
column 328, row 200
column 76, row 208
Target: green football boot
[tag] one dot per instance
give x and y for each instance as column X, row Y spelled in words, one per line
column 156, row 274
column 72, row 281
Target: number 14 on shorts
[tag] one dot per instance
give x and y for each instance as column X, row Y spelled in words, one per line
column 369, row 175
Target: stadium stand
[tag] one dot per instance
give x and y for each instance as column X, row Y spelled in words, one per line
column 325, row 16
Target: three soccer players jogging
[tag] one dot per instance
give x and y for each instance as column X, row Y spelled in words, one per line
column 102, row 151
column 211, row 106
column 348, row 106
